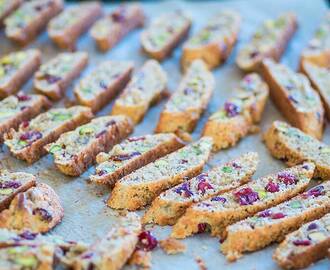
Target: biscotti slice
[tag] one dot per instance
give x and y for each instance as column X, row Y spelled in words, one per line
column 16, row 68
column 319, row 78
column 68, row 26
column 164, row 34
column 28, row 142
column 19, row 108
column 13, row 183
column 144, row 89
column 186, row 105
column 76, row 150
column 273, row 224
column 7, row 7
column 54, row 77
column 38, row 210
column 170, row 205
column 111, row 29
column 220, row 211
column 295, row 98
column 269, row 41
column 132, row 154
column 293, row 146
column 239, row 114
column 104, row 83
column 112, row 251
column 23, row 25
column 140, row 187
column 318, row 50
column 213, row 43
column 304, row 246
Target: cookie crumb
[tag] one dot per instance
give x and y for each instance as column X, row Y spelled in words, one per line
column 141, row 258
column 172, row 246
column 201, row 263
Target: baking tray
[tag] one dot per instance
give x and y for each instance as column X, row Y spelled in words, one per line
column 86, row 215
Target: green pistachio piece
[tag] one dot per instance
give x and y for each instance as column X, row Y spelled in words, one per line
column 2, row 72
column 4, row 114
column 295, row 204
column 6, row 191
column 86, row 130
column 325, row 150
column 15, row 250
column 30, row 262
column 161, row 163
column 22, row 143
column 55, row 148
column 219, row 115
column 262, row 194
column 57, row 116
column 317, row 236
column 227, row 169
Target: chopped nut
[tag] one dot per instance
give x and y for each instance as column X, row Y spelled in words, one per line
column 172, row 246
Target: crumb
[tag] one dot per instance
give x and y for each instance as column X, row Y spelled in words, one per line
column 201, row 263
column 141, row 258
column 172, row 246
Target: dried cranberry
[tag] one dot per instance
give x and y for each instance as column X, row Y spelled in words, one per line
column 43, row 213
column 231, row 109
column 110, row 123
column 203, row 185
column 124, row 156
column 10, row 184
column 278, row 215
column 87, row 255
column 91, row 266
column 254, row 54
column 287, row 178
column 183, row 161
column 316, row 191
column 301, row 242
column 266, row 213
column 236, row 166
column 98, row 135
column 202, row 227
column 22, row 97
column 147, row 241
column 306, row 167
column 219, row 199
column 312, row 226
column 188, row 91
column 28, row 235
column 272, row 187
column 51, row 78
column 25, row 124
column 119, row 15
column 184, row 190
column 246, row 196
column 30, row 136
column 102, row 172
column 135, row 139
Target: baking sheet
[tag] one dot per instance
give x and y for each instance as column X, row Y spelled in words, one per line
column 86, row 215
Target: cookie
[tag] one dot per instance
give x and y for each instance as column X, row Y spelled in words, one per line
column 295, row 98
column 28, row 142
column 7, row 7
column 132, row 154
column 214, row 42
column 55, row 76
column 101, row 85
column 171, row 204
column 188, row 102
column 293, row 146
column 139, row 188
column 269, row 41
column 218, row 212
column 164, row 34
column 143, row 90
column 111, row 29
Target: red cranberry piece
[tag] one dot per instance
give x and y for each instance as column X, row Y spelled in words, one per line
column 306, row 167
column 51, row 78
column 246, row 196
column 254, row 54
column 10, row 184
column 125, row 156
column 110, row 123
column 203, row 185
column 266, row 213
column 183, row 161
column 219, row 199
column 135, row 139
column 278, row 215
column 22, row 97
column 188, row 91
column 287, row 178
column 272, row 187
column 184, row 190
column 25, row 124
column 312, row 226
column 301, row 242
column 236, row 166
column 232, row 109
column 102, row 172
column 202, row 227
column 316, row 191
column 30, row 136
column 28, row 235
column 87, row 255
column 43, row 213
column 119, row 15
column 147, row 241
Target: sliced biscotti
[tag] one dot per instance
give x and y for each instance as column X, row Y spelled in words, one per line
column 273, row 224
column 112, row 251
column 269, row 41
column 144, row 89
column 239, row 114
column 104, row 83
column 213, row 43
column 23, row 25
column 140, row 187
column 220, row 211
column 132, row 154
column 295, row 98
column 319, row 78
column 12, row 183
column 7, row 7
column 304, row 246
column 294, row 146
column 186, row 105
column 68, row 26
column 19, row 108
column 54, row 77
column 164, row 34
column 170, row 205
column 76, row 150
column 28, row 142
column 16, row 68
column 111, row 29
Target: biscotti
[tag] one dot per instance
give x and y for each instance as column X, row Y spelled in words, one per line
column 295, row 98
column 104, row 83
column 68, row 26
column 213, row 43
column 269, row 41
column 112, row 251
column 144, row 89
column 28, row 142
column 304, row 246
column 186, row 105
column 273, row 224
column 319, row 78
column 220, row 211
column 111, row 29
column 164, row 34
column 23, row 25
column 19, row 108
column 239, row 114
column 293, row 147
column 54, row 77
column 7, row 7
column 38, row 210
column 170, row 205
column 140, row 187
column 16, row 68
column 76, row 150
column 132, row 154
column 12, row 183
